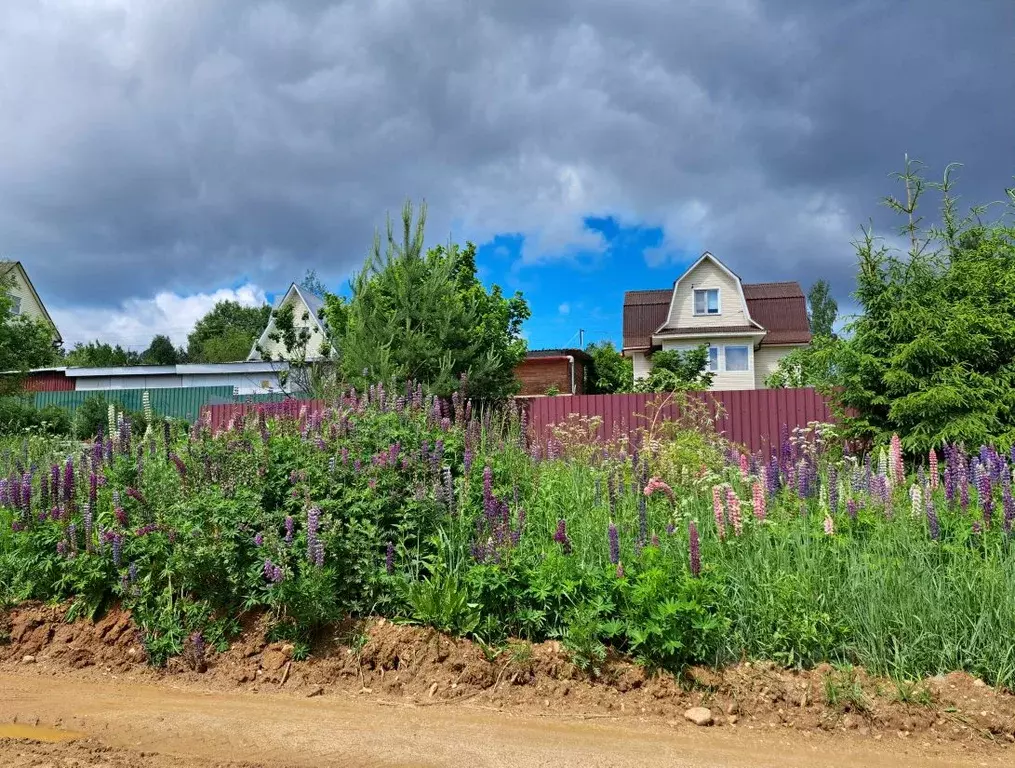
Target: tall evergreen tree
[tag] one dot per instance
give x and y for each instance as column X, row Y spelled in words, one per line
column 423, row 315
column 822, row 309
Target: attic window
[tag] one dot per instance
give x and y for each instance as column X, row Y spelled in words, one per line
column 15, row 304
column 706, row 301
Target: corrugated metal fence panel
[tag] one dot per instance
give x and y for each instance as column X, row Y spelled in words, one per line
column 48, row 381
column 753, row 418
column 221, row 415
column 178, row 403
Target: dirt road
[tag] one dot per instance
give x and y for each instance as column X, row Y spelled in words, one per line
column 130, row 724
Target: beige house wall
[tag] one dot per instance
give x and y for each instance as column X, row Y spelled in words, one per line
column 766, row 360
column 708, row 274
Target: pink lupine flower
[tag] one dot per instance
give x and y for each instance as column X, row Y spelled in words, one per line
column 656, row 485
column 933, row 470
column 829, row 525
column 898, row 470
column 745, row 466
column 733, row 504
column 758, row 499
column 720, row 514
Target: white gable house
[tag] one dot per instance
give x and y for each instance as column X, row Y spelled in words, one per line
column 306, row 314
column 748, row 328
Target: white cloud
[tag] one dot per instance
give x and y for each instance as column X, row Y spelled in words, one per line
column 137, row 320
column 564, row 308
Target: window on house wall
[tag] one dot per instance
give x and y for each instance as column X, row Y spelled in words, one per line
column 713, row 359
column 15, row 304
column 737, row 358
column 706, row 301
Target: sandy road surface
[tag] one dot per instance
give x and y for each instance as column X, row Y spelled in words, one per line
column 133, row 724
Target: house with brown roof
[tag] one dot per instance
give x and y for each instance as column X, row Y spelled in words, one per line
column 748, row 327
column 25, row 300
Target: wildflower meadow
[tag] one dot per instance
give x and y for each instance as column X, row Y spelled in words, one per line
column 675, row 548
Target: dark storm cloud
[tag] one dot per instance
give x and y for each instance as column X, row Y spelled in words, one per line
column 185, row 145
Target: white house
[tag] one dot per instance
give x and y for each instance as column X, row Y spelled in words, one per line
column 24, row 298
column 306, row 314
column 748, row 327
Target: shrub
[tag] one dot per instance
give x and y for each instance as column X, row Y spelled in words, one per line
column 19, row 415
column 92, row 417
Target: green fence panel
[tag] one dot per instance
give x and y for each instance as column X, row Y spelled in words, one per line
column 176, row 402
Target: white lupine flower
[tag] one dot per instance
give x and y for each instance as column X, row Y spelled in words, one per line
column 916, row 500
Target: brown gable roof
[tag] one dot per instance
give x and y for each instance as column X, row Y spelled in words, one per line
column 779, row 308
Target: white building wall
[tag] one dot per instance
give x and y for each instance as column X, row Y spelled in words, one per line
column 708, row 274
column 641, row 365
column 766, row 360
column 723, row 379
column 259, row 383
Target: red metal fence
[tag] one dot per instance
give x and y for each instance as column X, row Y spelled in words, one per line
column 753, row 418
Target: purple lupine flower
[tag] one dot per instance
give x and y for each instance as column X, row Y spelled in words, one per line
column 121, row 516
column 614, row 539
column 144, row 530
column 259, row 539
column 68, row 482
column 93, row 490
column 851, row 509
column 132, row 571
column 117, row 549
column 61, row 548
column 290, row 527
column 560, row 536
column 962, row 481
column 89, row 522
column 135, row 494
column 467, row 461
column 389, row 559
column 26, row 493
column 315, row 547
column 772, row 477
column 272, row 572
column 181, row 468
column 671, row 529
column 986, row 495
column 695, row 549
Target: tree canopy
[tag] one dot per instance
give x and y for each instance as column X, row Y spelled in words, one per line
column 932, row 353
column 678, row 371
column 161, row 351
column 97, row 354
column 822, row 309
column 25, row 342
column 423, row 315
column 227, row 333
column 611, row 372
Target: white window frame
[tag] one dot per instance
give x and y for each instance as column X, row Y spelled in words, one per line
column 710, row 365
column 747, row 351
column 15, row 303
column 706, row 313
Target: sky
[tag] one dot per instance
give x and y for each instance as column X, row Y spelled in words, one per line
column 161, row 155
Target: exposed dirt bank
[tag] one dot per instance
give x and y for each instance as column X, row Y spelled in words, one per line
column 409, row 696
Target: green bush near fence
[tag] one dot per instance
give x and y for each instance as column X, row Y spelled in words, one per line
column 19, row 415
